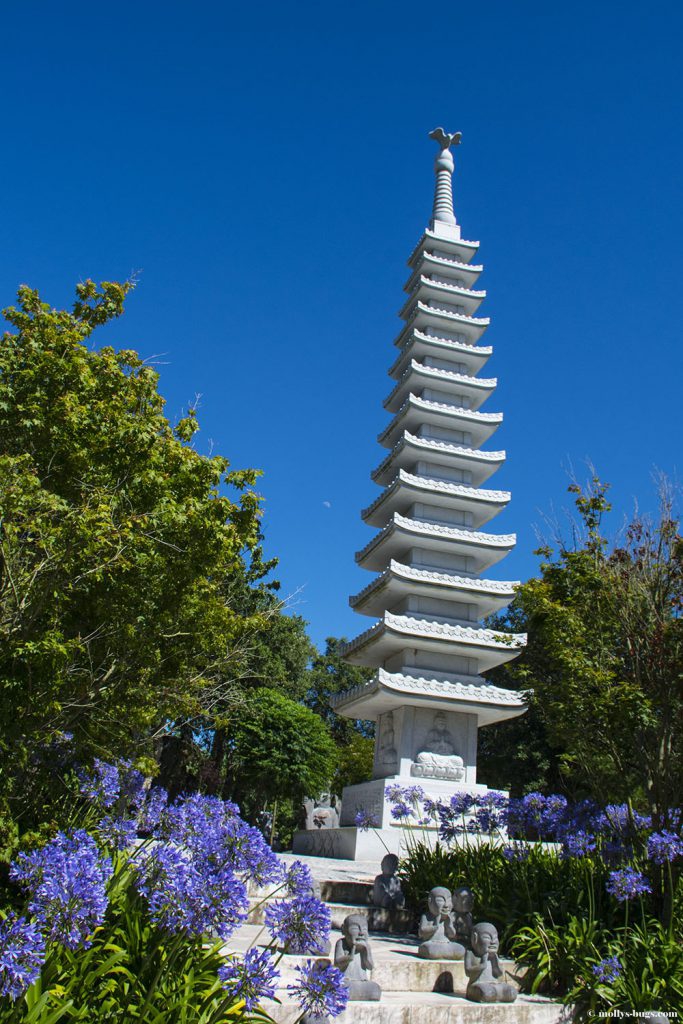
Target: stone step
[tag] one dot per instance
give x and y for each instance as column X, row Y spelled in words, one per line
column 395, row 922
column 337, row 890
column 433, row 1008
column 397, row 967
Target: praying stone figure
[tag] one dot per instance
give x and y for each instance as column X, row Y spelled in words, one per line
column 387, row 751
column 483, row 969
column 386, row 890
column 439, row 760
column 463, row 902
column 437, row 930
column 353, row 957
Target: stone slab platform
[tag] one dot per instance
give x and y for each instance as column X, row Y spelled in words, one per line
column 433, row 1008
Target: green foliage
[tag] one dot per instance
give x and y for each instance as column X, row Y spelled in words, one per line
column 561, row 961
column 118, row 547
column 278, row 749
column 355, row 762
column 509, row 892
column 328, row 676
column 604, row 661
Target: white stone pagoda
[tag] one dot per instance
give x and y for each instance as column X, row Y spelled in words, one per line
column 432, row 549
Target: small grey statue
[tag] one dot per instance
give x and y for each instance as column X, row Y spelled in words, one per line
column 353, row 957
column 463, row 903
column 386, row 890
column 483, row 969
column 437, row 930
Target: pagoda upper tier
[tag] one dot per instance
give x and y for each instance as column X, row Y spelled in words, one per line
column 433, row 542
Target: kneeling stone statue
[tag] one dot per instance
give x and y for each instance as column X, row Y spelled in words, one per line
column 437, row 929
column 353, row 957
column 483, row 969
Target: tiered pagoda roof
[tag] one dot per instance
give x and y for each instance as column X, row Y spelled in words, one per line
column 430, row 550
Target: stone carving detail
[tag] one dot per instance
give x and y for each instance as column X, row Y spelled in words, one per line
column 388, row 757
column 463, row 903
column 482, row 966
column 439, row 760
column 437, row 929
column 321, row 812
column 386, row 890
column 353, row 957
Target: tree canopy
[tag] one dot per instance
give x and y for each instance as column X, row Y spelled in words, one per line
column 121, row 550
column 605, row 657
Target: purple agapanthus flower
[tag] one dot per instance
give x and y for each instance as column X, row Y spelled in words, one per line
column 664, row 846
column 580, row 844
column 102, row 783
column 491, row 813
column 401, row 811
column 516, row 852
column 608, row 970
column 300, row 925
column 66, row 881
column 132, row 785
column 117, row 833
column 320, row 989
column 189, row 895
column 251, row 979
column 299, row 880
column 215, row 835
column 22, row 954
column 627, row 884
column 364, row 820
column 152, row 808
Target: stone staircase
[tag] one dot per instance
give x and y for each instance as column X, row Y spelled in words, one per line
column 414, row 991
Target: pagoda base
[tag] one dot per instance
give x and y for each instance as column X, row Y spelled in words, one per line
column 348, row 842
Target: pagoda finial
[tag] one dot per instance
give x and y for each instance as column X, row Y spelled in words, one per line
column 443, row 218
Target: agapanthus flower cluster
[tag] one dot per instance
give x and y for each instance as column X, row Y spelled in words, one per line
column 299, row 880
column 320, row 989
column 608, row 970
column 516, row 852
column 22, row 953
column 580, row 844
column 364, row 820
column 538, row 817
column 626, row 884
column 491, row 814
column 251, row 979
column 101, row 784
column 117, row 833
column 152, row 808
column 66, row 882
column 664, row 846
column 299, row 925
column 213, row 832
column 188, row 894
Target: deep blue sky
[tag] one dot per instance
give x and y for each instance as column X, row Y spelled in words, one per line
column 266, row 168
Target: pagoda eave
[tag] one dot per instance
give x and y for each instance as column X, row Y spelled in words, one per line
column 403, row 534
column 399, row 582
column 430, row 241
column 394, row 634
column 410, row 449
column 428, row 263
column 418, row 412
column 470, row 695
column 418, row 376
column 427, row 291
column 407, row 489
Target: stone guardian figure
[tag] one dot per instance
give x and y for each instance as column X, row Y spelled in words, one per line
column 386, row 890
column 483, row 970
column 353, row 957
column 437, row 930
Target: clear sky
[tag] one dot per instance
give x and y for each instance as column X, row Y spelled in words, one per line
column 266, row 169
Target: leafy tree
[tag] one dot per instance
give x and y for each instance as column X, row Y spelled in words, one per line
column 605, row 656
column 328, row 676
column 278, row 749
column 118, row 548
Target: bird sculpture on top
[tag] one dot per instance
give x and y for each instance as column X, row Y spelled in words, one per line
column 444, row 139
